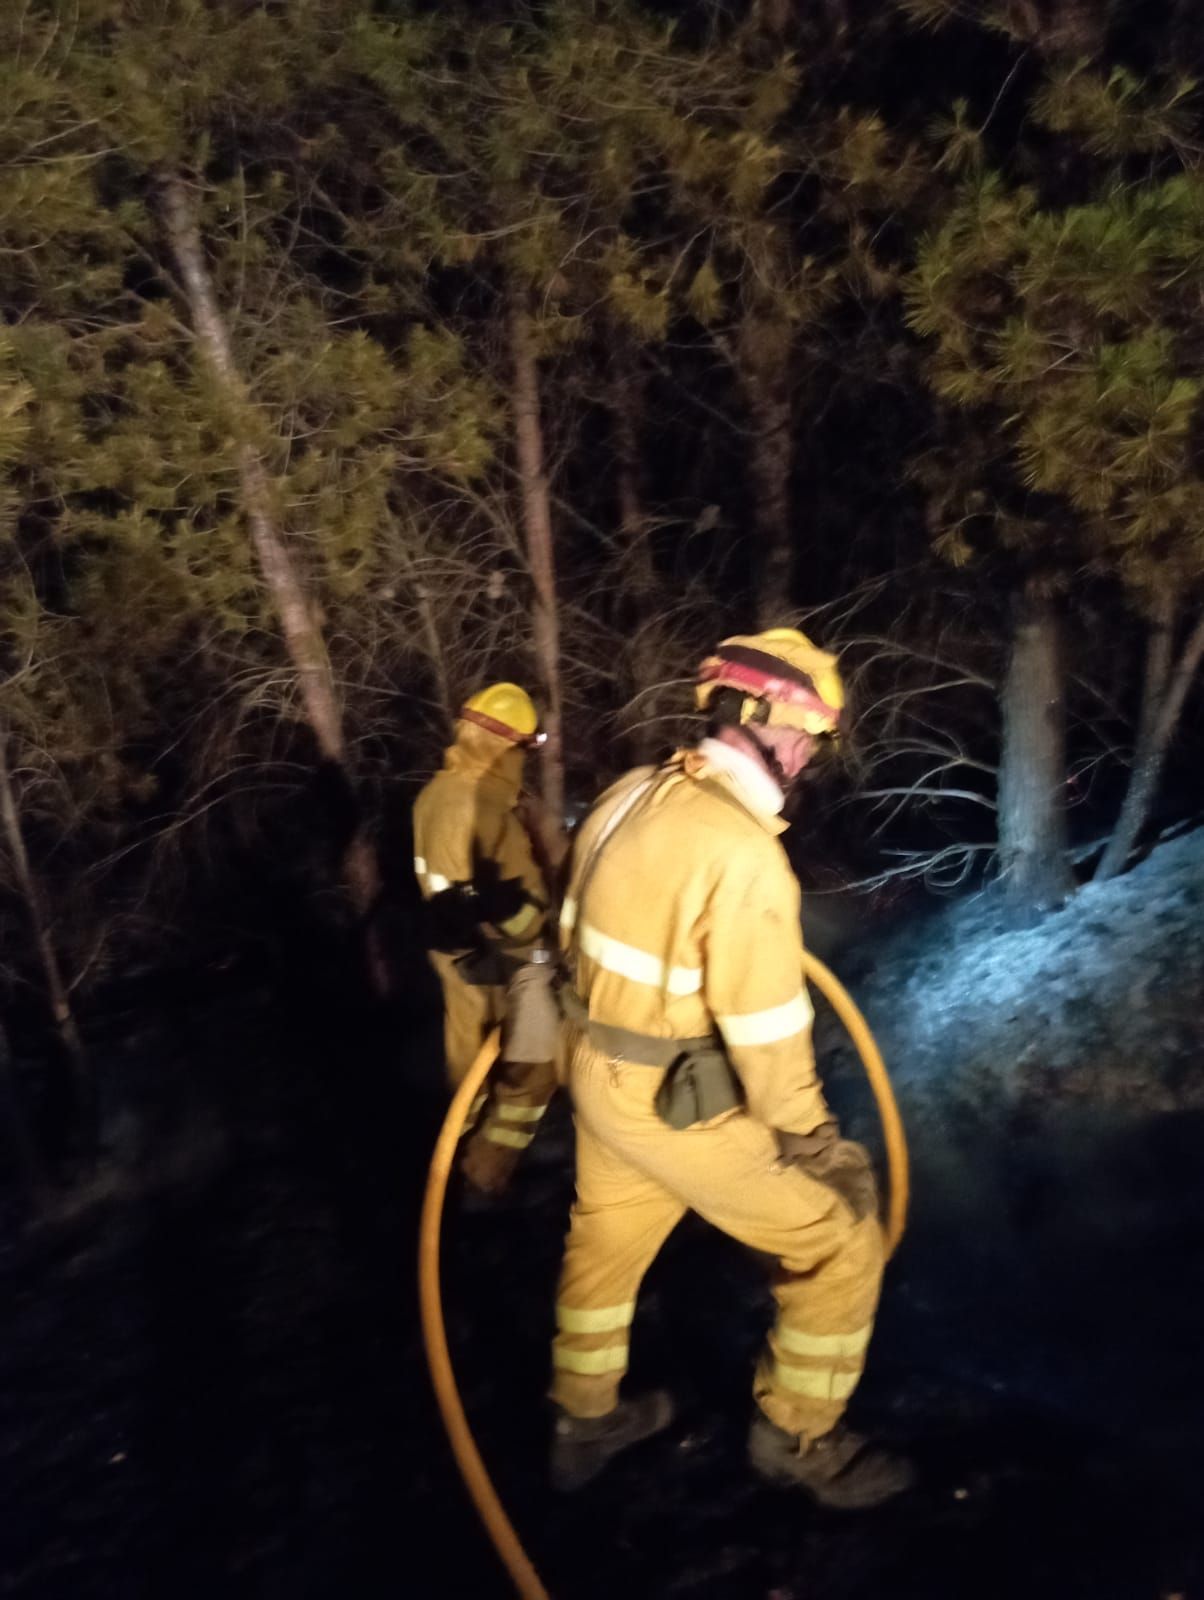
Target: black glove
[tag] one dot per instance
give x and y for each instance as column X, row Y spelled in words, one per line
column 497, row 899
column 810, row 1150
column 454, row 918
column 842, row 1164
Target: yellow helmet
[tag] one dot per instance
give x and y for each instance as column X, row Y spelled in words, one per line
column 780, row 670
column 506, row 710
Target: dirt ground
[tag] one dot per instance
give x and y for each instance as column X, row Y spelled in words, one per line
column 211, row 1382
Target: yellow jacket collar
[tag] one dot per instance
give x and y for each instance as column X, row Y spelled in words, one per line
column 741, row 776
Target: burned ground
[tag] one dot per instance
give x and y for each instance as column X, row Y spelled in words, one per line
column 213, row 1383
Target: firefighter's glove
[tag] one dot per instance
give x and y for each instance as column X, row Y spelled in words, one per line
column 451, row 919
column 499, row 900
column 810, row 1150
column 842, row 1164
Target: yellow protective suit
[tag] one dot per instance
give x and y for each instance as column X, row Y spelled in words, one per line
column 467, row 837
column 684, row 921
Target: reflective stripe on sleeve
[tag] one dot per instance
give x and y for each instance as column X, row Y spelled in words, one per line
column 625, row 961
column 823, row 1344
column 508, row 1136
column 767, row 1027
column 435, row 881
column 605, row 1319
column 823, row 1384
column 568, row 913
column 432, row 882
column 514, row 927
column 591, row 1362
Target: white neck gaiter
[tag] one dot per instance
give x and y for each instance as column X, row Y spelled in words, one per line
column 747, row 776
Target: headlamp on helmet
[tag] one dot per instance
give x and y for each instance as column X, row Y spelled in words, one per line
column 506, row 710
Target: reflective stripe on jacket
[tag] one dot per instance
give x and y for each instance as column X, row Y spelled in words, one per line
column 687, row 920
column 464, row 819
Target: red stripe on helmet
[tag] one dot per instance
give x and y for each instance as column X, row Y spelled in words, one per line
column 492, row 725
column 765, row 686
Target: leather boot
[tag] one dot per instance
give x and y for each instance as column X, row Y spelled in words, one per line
column 488, row 1167
column 839, row 1469
column 582, row 1446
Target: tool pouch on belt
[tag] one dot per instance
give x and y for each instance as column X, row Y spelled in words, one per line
column 699, row 1086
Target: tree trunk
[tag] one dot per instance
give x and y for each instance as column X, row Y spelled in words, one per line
column 1163, row 694
column 627, row 415
column 633, row 613
column 537, row 529
column 1066, row 31
column 765, row 368
column 302, row 635
column 436, row 655
column 83, row 1090
column 773, row 18
column 1032, row 774
column 16, row 1136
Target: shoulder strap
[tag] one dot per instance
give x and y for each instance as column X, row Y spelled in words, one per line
column 635, row 800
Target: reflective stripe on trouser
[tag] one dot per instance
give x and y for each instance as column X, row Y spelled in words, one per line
column 518, row 1090
column 524, row 1080
column 636, row 1177
column 521, row 1091
column 519, row 1094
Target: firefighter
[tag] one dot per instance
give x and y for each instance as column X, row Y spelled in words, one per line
column 694, row 1086
column 487, row 906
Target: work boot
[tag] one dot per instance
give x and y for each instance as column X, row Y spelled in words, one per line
column 839, row 1469
column 582, row 1446
column 487, row 1168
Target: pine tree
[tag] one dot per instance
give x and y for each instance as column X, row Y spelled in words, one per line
column 260, row 432
column 1056, row 312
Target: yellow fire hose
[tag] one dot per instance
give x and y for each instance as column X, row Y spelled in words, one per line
column 468, row 1457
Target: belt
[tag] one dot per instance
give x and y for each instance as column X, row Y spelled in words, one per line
column 625, row 1044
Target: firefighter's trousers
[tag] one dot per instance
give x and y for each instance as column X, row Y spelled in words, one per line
column 523, row 1081
column 636, row 1178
